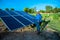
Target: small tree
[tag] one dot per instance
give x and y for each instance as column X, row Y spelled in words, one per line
column 12, row 8
column 26, row 9
column 55, row 10
column 42, row 11
column 48, row 9
column 58, row 9
column 31, row 10
column 6, row 9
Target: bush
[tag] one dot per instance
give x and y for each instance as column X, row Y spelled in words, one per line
column 6, row 9
column 12, row 8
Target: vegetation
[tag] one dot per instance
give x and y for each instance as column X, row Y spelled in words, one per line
column 31, row 10
column 12, row 8
column 26, row 9
column 48, row 9
column 42, row 11
column 55, row 24
column 54, row 20
column 0, row 20
column 6, row 9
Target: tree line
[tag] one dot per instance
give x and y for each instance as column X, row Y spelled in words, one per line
column 48, row 9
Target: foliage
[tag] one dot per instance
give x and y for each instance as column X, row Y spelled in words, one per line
column 49, row 9
column 31, row 10
column 6, row 9
column 42, row 11
column 26, row 9
column 55, row 10
column 58, row 9
column 0, row 20
column 12, row 8
column 55, row 23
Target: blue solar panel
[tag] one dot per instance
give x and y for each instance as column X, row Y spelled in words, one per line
column 26, row 14
column 16, row 19
column 23, row 20
column 30, row 17
column 11, row 23
column 3, row 13
column 12, row 13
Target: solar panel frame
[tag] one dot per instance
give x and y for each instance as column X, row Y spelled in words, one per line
column 5, row 24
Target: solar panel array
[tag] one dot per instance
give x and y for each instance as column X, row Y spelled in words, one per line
column 16, row 19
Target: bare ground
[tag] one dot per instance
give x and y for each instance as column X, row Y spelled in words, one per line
column 45, row 35
column 28, row 34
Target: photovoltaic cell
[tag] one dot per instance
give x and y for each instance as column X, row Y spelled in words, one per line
column 26, row 14
column 3, row 13
column 12, row 13
column 23, row 20
column 11, row 23
column 30, row 17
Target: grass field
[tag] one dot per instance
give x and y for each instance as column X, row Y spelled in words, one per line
column 54, row 20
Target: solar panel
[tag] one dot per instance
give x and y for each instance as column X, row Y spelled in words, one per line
column 23, row 20
column 3, row 13
column 32, row 18
column 16, row 20
column 25, row 14
column 12, row 13
column 11, row 23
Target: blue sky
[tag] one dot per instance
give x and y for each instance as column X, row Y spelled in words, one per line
column 21, row 4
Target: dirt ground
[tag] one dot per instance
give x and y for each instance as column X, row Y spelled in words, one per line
column 27, row 33
column 45, row 35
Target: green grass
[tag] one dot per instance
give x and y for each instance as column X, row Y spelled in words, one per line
column 54, row 20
